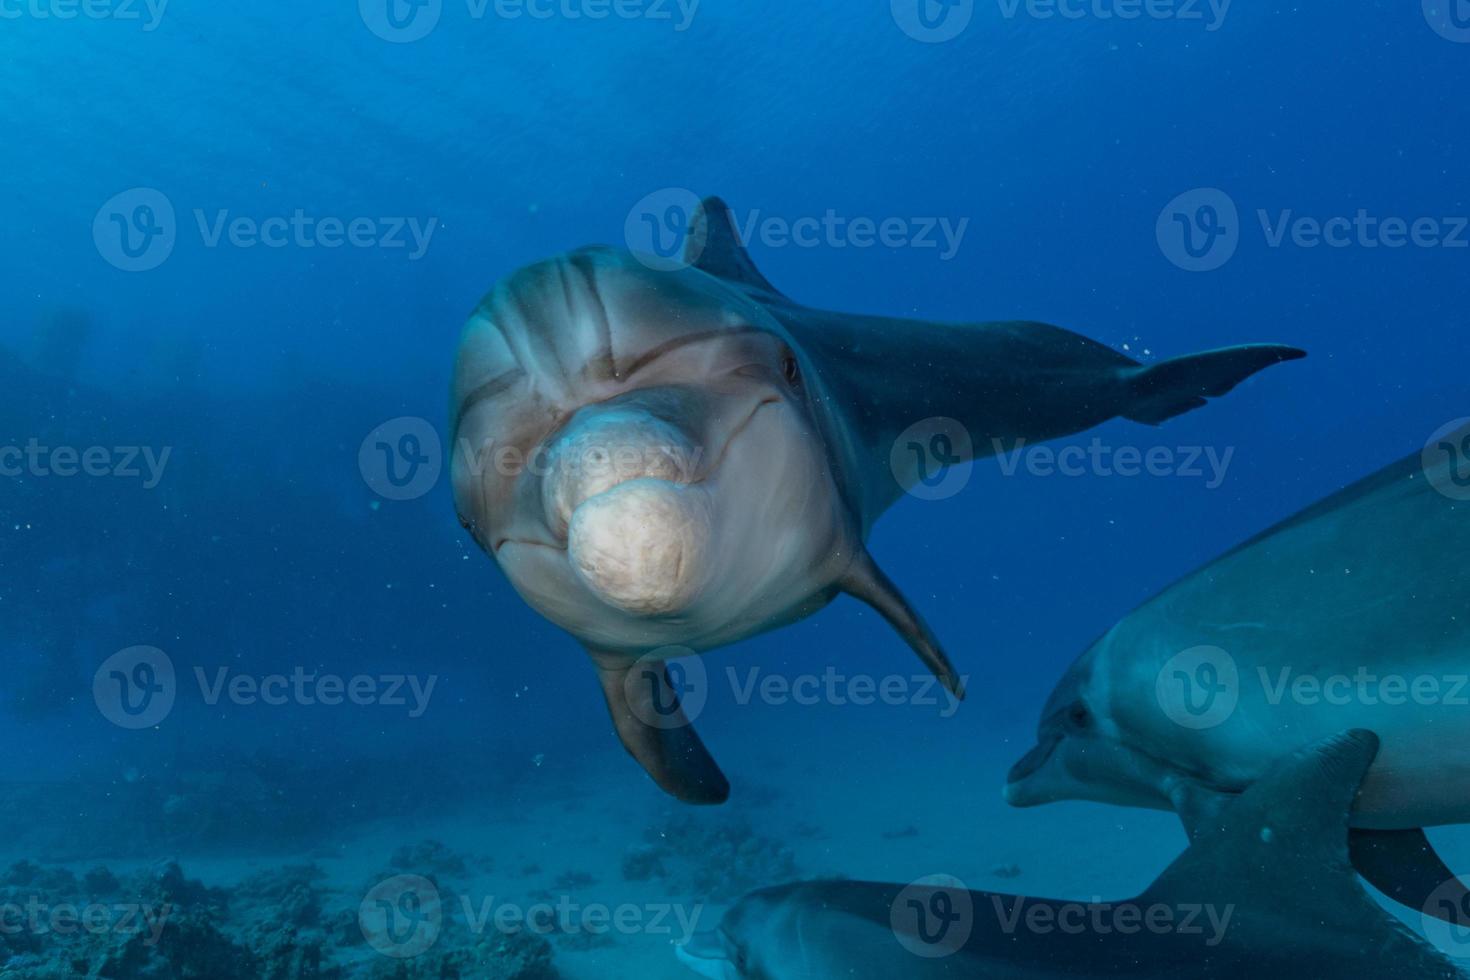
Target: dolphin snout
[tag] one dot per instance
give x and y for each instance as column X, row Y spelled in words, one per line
column 1021, row 789
column 605, row 448
column 644, row 546
column 705, row 955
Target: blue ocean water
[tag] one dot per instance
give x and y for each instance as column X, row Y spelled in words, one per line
column 1063, row 140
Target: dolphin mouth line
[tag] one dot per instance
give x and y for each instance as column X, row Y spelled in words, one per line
column 1033, row 760
column 736, row 434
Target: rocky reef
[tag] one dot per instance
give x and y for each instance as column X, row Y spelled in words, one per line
column 277, row 924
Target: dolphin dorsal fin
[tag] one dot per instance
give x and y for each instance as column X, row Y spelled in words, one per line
column 1277, row 860
column 1288, row 831
column 713, row 245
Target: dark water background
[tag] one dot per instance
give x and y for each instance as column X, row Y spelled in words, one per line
column 1060, row 140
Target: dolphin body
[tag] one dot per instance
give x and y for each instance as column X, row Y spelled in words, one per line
column 1264, row 890
column 664, row 461
column 1354, row 613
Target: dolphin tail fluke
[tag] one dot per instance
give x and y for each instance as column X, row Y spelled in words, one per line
column 867, row 582
column 1182, row 384
column 655, row 730
column 1403, row 865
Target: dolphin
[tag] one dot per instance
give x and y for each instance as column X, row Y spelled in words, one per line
column 1264, row 890
column 1353, row 613
column 668, row 460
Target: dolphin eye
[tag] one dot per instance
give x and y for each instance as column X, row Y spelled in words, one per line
column 790, row 370
column 1078, row 717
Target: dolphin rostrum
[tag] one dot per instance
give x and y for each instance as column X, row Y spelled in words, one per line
column 665, row 461
column 1354, row 613
column 1265, row 890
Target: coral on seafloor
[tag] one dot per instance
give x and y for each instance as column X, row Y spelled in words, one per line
column 277, row 924
column 717, row 859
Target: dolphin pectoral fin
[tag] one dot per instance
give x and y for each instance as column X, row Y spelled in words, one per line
column 1403, row 865
column 1181, row 384
column 1199, row 808
column 866, row 581
column 651, row 722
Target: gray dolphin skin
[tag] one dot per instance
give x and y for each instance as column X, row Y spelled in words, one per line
column 1354, row 613
column 668, row 460
column 1264, row 890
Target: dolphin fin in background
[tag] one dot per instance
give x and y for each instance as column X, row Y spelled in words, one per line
column 713, row 245
column 1005, row 382
column 867, row 582
column 1279, row 854
column 1182, row 384
column 1405, row 866
column 654, row 729
column 1270, row 873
